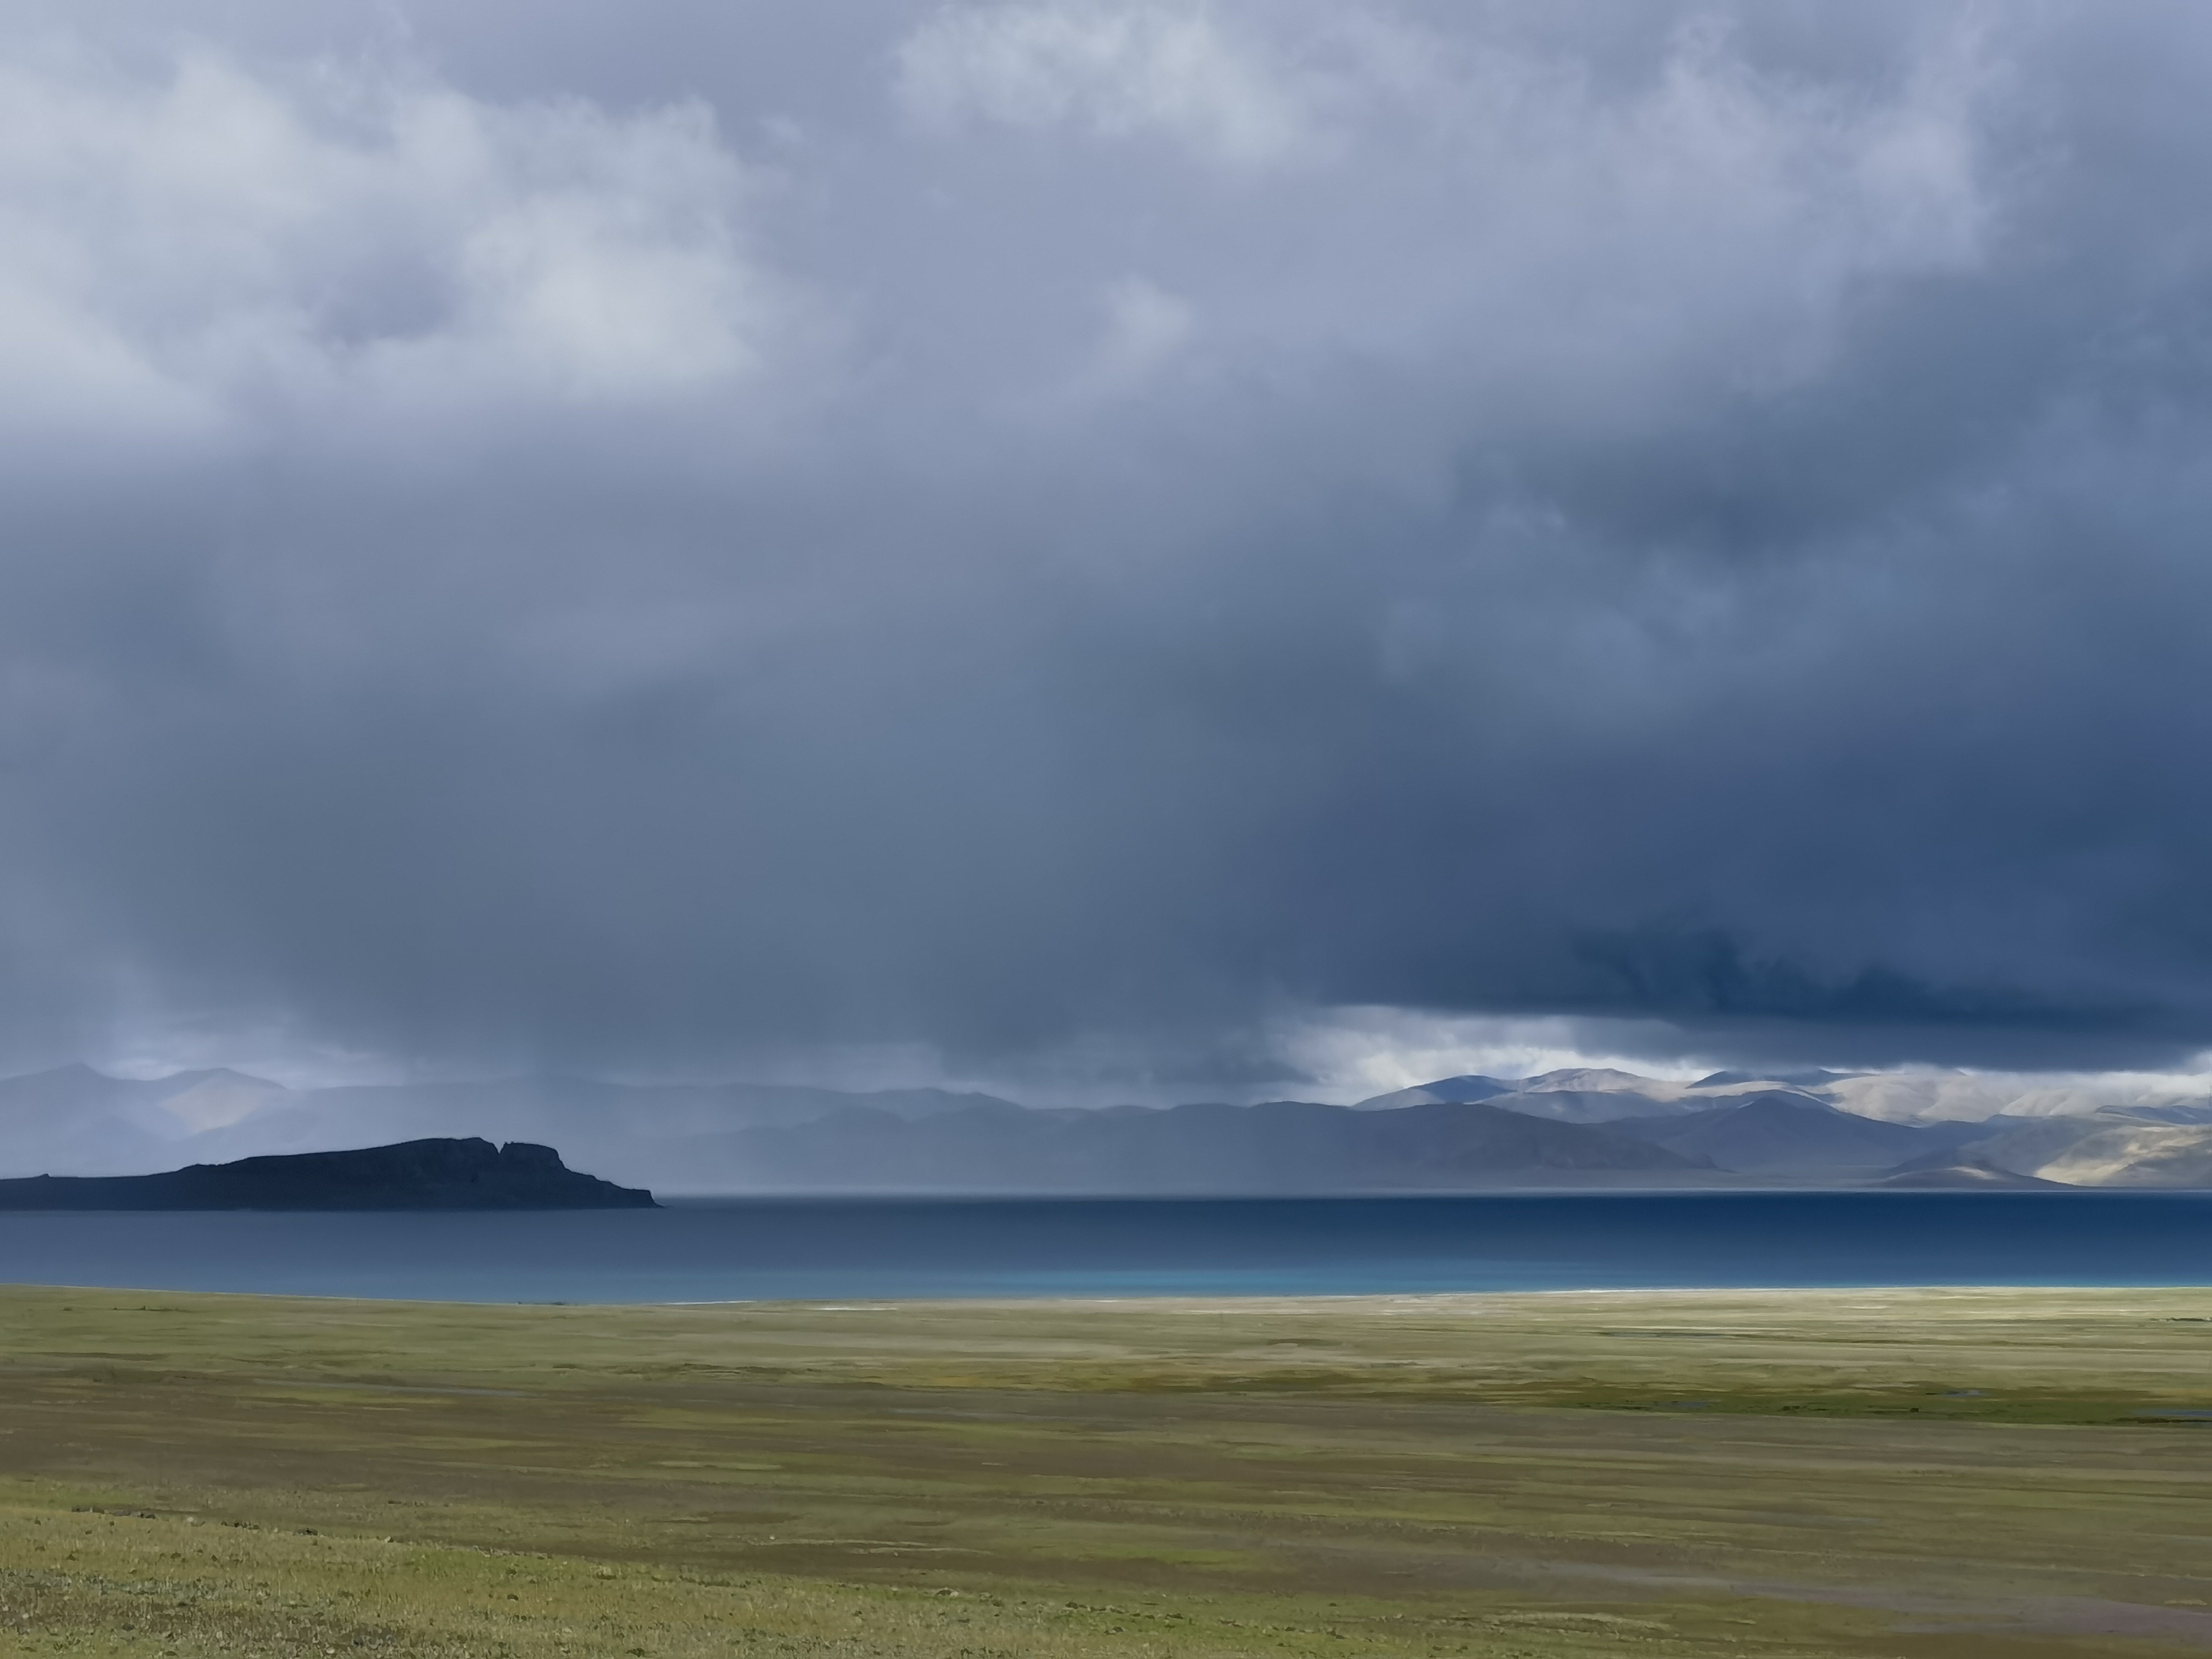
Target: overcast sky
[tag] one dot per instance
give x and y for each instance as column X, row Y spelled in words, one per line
column 1127, row 544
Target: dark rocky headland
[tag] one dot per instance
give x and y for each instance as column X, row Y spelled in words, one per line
column 413, row 1175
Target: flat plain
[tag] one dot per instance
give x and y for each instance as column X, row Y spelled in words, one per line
column 1921, row 1475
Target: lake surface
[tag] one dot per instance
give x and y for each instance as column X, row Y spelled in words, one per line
column 833, row 1249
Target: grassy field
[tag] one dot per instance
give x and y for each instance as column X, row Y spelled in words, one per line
column 1881, row 1475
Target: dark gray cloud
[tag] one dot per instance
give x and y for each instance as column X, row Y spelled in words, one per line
column 1074, row 533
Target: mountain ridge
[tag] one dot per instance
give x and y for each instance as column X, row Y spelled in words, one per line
column 1276, row 1146
column 1728, row 1128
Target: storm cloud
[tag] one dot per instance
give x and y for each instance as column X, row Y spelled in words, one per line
column 1064, row 533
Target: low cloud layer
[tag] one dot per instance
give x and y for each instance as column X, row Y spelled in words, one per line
column 1104, row 538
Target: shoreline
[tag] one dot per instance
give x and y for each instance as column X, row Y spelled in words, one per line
column 1166, row 1302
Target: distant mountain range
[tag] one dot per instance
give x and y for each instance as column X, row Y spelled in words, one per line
column 1567, row 1128
column 1284, row 1146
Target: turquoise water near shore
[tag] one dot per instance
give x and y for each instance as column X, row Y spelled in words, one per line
column 880, row 1248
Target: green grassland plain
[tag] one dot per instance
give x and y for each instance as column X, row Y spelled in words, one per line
column 1921, row 1475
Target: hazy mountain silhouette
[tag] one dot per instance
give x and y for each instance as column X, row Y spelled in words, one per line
column 1584, row 1126
column 1283, row 1146
column 1780, row 1132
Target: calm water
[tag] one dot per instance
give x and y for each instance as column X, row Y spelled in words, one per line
column 833, row 1250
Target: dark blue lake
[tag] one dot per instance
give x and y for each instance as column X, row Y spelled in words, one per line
column 806, row 1249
